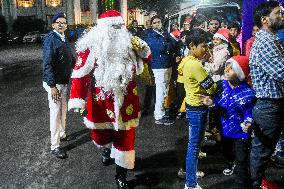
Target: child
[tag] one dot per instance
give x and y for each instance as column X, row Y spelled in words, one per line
column 220, row 55
column 197, row 82
column 236, row 100
column 251, row 40
column 235, row 30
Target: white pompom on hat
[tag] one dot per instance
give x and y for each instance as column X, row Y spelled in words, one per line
column 240, row 65
column 110, row 17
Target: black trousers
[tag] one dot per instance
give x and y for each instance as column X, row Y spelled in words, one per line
column 237, row 150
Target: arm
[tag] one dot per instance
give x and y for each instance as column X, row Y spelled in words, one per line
column 272, row 60
column 81, row 78
column 48, row 58
column 200, row 74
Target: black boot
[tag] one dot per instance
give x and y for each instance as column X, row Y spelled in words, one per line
column 120, row 178
column 106, row 159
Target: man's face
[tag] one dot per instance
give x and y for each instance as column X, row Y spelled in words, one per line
column 213, row 26
column 276, row 21
column 134, row 24
column 157, row 24
column 60, row 25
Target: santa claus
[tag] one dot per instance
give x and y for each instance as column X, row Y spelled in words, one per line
column 103, row 83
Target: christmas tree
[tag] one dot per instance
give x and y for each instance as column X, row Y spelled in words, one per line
column 105, row 5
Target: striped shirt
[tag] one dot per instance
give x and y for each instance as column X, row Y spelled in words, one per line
column 267, row 66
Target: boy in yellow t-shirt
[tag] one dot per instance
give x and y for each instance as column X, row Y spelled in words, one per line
column 197, row 83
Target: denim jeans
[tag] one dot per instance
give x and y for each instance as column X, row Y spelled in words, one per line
column 197, row 118
column 269, row 121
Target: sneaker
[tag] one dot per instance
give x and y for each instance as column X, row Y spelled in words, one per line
column 182, row 174
column 121, row 183
column 202, row 155
column 180, row 115
column 196, row 187
column 164, row 121
column 230, row 170
column 59, row 153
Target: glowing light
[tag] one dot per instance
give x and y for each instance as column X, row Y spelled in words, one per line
column 53, row 3
column 25, row 3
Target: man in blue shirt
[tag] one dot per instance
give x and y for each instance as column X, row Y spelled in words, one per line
column 57, row 65
column 267, row 71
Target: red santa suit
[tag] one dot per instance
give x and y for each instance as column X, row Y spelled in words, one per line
column 112, row 113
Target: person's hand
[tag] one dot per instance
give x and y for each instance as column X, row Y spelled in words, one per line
column 178, row 59
column 245, row 126
column 55, row 94
column 207, row 100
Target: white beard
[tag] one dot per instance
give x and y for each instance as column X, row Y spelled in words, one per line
column 110, row 49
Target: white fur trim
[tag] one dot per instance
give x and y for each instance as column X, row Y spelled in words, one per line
column 174, row 37
column 124, row 159
column 119, row 124
column 236, row 67
column 86, row 69
column 221, row 37
column 111, row 21
column 75, row 103
column 92, row 125
column 102, row 146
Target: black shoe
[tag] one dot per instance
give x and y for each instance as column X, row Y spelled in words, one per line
column 106, row 159
column 59, row 153
column 164, row 121
column 121, row 183
column 65, row 139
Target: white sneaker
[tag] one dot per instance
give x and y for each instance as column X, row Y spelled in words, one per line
column 182, row 174
column 196, row 187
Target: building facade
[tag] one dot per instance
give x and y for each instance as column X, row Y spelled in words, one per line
column 77, row 11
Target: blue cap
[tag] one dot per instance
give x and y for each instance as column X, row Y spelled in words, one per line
column 58, row 15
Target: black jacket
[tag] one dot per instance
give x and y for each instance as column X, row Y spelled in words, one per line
column 58, row 60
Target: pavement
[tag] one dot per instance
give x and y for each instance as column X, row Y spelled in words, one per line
column 26, row 161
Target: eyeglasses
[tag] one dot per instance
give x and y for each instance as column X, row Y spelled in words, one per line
column 61, row 23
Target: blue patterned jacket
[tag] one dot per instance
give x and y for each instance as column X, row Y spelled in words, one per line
column 236, row 106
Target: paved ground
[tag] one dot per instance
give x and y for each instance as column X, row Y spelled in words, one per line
column 25, row 139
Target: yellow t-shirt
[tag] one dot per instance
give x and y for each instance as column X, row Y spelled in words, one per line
column 236, row 48
column 196, row 81
column 179, row 69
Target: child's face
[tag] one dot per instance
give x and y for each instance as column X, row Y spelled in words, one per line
column 183, row 39
column 213, row 26
column 230, row 74
column 255, row 30
column 234, row 32
column 217, row 41
column 199, row 50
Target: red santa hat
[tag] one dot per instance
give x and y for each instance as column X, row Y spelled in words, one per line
column 223, row 34
column 187, row 21
column 110, row 17
column 240, row 65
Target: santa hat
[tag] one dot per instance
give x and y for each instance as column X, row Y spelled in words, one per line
column 110, row 17
column 222, row 34
column 240, row 65
column 187, row 21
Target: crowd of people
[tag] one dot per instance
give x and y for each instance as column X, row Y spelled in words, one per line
column 233, row 94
